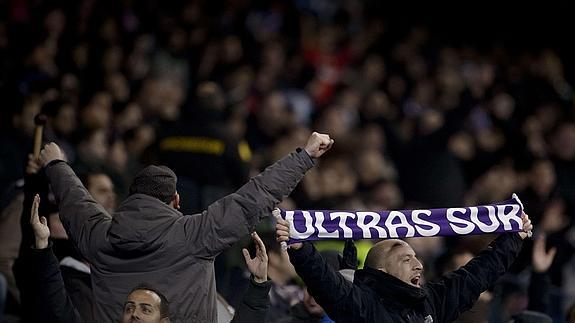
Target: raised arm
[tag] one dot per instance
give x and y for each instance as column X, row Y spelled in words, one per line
column 540, row 283
column 234, row 216
column 256, row 301
column 340, row 299
column 35, row 182
column 79, row 212
column 457, row 291
column 46, row 283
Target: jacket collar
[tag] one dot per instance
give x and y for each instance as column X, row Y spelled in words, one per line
column 390, row 288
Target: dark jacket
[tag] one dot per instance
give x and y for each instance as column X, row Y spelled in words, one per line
column 55, row 306
column 51, row 299
column 255, row 304
column 79, row 287
column 299, row 314
column 376, row 296
column 147, row 241
column 205, row 153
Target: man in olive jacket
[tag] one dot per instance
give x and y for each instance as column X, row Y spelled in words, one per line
column 147, row 240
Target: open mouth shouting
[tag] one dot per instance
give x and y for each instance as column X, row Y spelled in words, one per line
column 415, row 280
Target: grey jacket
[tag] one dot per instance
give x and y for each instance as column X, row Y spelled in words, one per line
column 146, row 241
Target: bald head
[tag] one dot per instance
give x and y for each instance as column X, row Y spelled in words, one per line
column 397, row 258
column 376, row 256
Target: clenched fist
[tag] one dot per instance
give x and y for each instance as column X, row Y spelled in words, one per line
column 51, row 152
column 527, row 227
column 318, row 144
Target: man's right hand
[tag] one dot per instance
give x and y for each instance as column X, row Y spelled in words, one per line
column 318, row 144
column 39, row 225
column 282, row 232
column 51, row 152
column 540, row 257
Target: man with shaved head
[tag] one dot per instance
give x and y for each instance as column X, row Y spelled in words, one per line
column 397, row 258
column 390, row 287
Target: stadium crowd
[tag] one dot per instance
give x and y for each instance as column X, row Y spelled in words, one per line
column 219, row 90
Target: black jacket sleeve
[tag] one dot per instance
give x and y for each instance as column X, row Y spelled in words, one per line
column 339, row 297
column 255, row 303
column 539, row 286
column 33, row 184
column 457, row 291
column 51, row 298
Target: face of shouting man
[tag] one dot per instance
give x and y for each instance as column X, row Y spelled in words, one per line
column 397, row 258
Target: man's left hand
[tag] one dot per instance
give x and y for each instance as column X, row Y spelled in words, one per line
column 527, row 226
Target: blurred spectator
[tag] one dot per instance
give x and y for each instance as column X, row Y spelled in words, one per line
column 451, row 116
column 211, row 162
column 453, row 261
column 60, row 125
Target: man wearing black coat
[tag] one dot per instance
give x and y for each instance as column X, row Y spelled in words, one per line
column 390, row 289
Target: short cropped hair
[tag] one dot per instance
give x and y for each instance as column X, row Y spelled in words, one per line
column 155, row 181
column 164, row 304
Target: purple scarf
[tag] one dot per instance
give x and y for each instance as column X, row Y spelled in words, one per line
column 499, row 217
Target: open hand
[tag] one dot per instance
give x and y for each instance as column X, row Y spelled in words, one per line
column 39, row 225
column 541, row 258
column 258, row 266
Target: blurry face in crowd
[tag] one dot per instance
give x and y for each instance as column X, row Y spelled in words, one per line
column 65, row 120
column 400, row 261
column 143, row 306
column 101, row 188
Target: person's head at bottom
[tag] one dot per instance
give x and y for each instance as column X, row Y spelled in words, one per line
column 396, row 258
column 147, row 305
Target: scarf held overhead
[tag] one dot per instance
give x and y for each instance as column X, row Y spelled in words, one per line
column 499, row 217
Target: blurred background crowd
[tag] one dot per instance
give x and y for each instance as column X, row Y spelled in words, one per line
column 427, row 109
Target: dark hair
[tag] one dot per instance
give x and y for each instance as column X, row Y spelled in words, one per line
column 155, row 181
column 164, row 304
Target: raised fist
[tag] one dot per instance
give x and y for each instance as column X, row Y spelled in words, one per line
column 318, row 144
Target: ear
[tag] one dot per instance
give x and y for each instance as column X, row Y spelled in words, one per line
column 177, row 201
column 165, row 320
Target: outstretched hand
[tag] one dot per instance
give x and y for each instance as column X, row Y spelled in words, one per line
column 541, row 258
column 318, row 144
column 39, row 225
column 258, row 266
